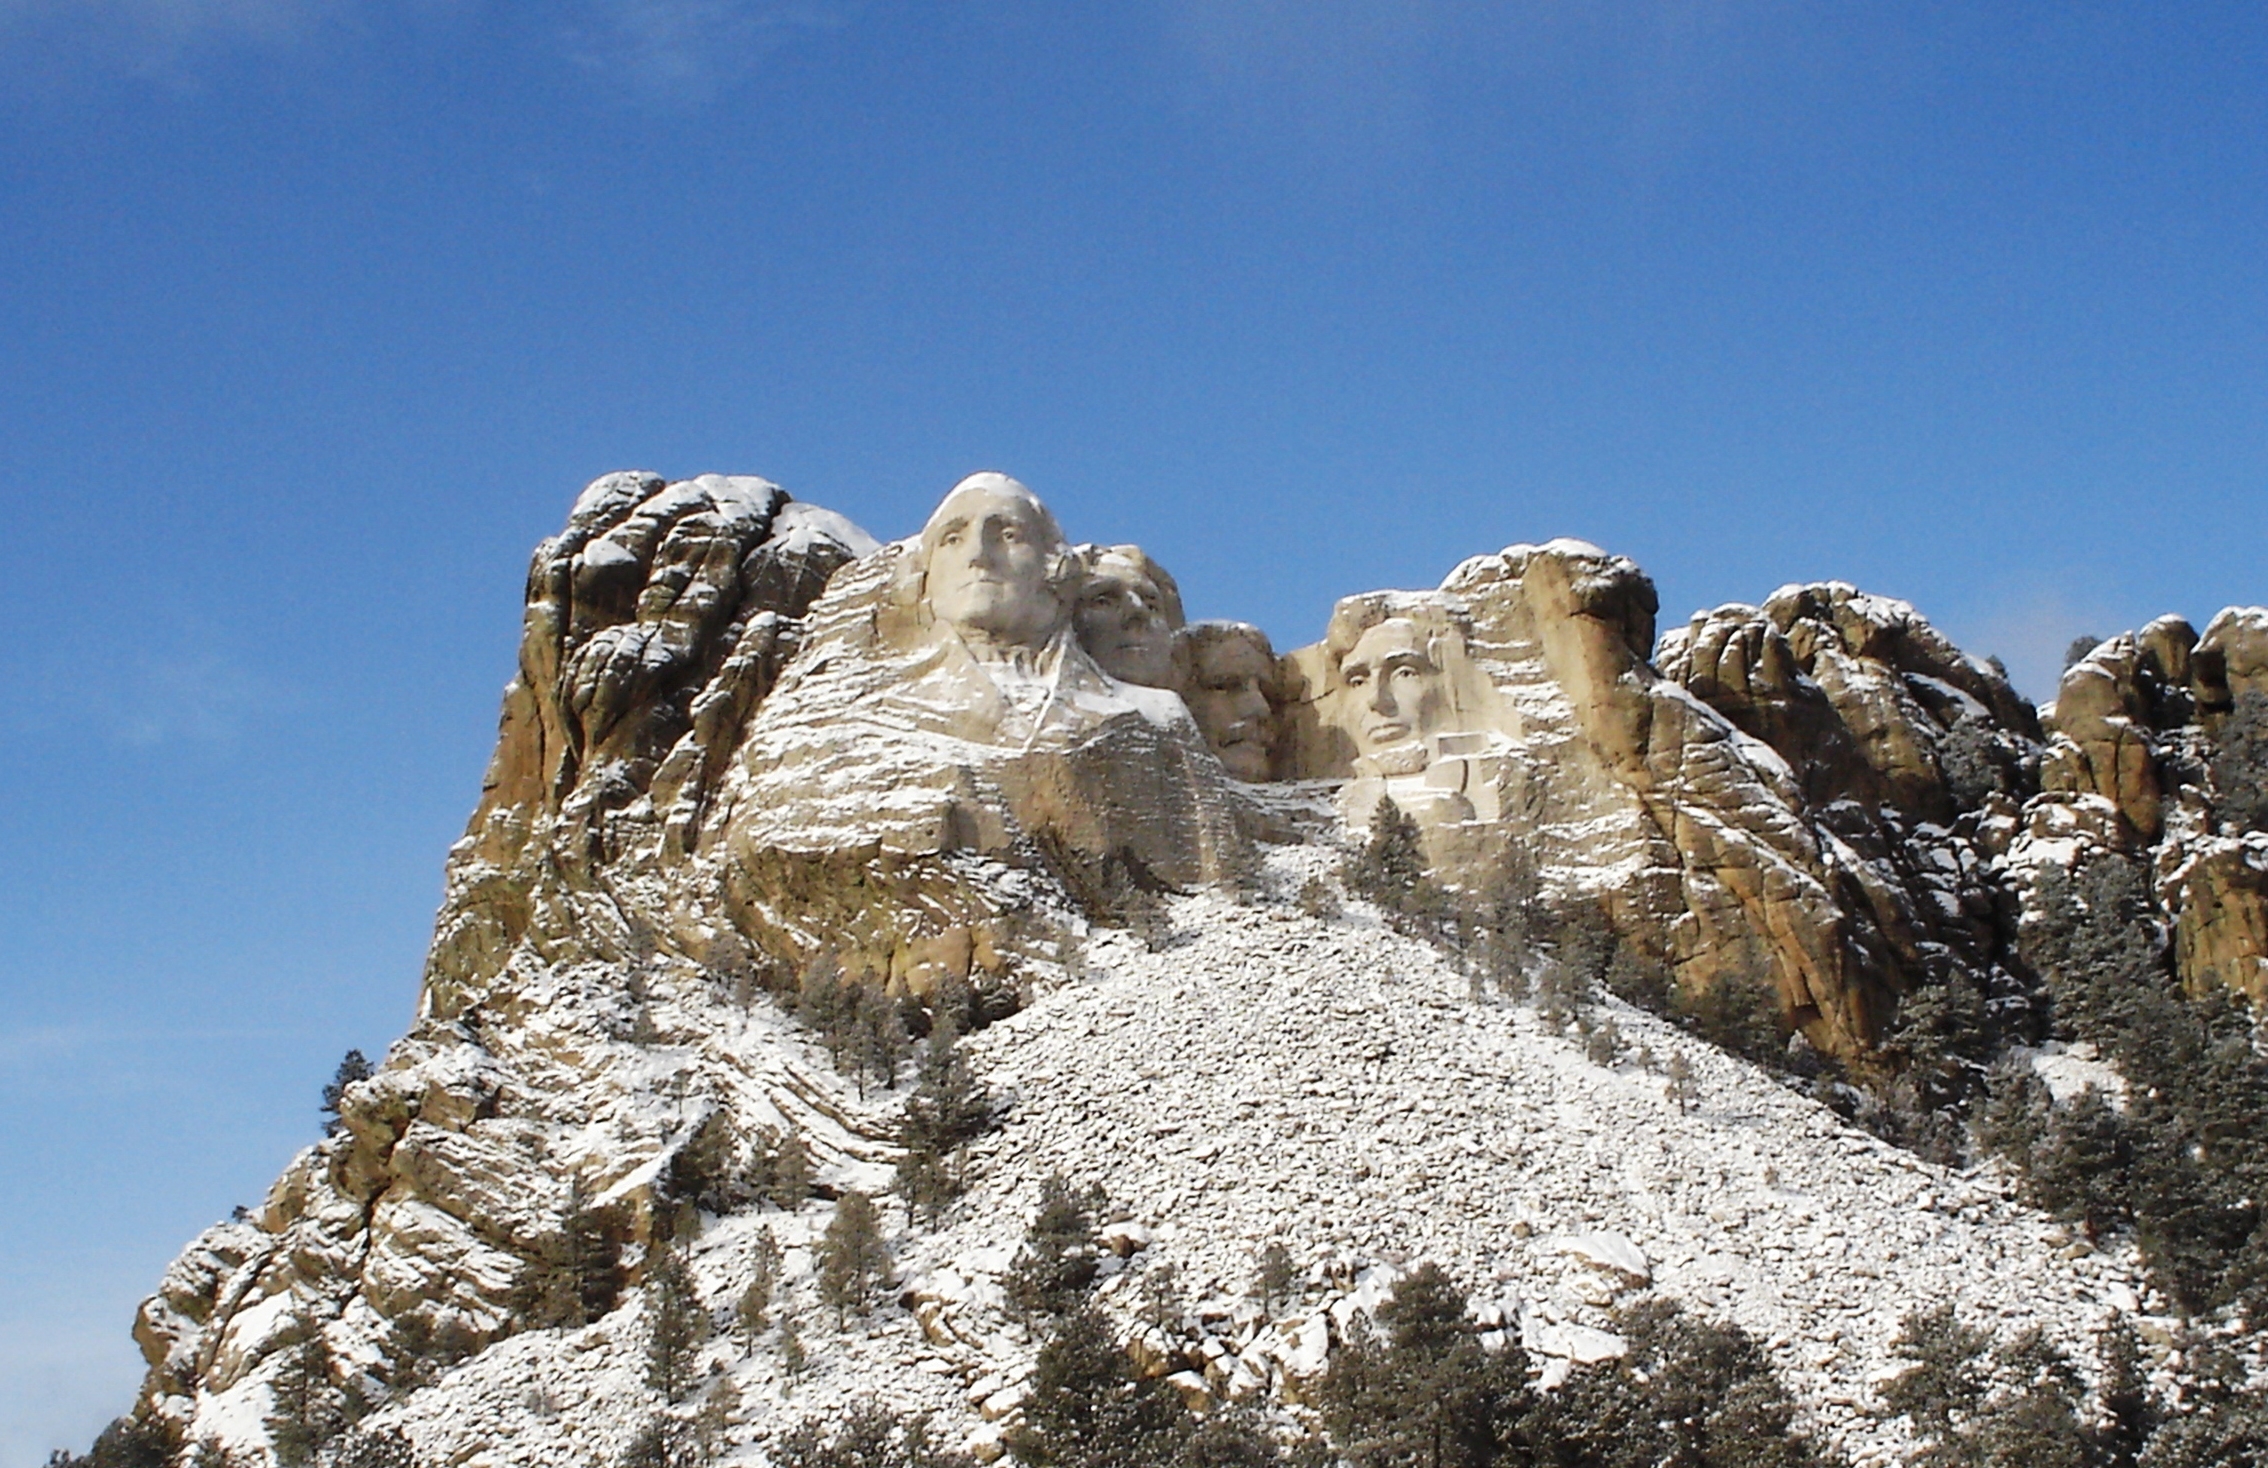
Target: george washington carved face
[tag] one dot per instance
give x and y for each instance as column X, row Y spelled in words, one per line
column 993, row 565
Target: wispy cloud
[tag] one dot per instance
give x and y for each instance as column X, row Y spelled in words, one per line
column 1363, row 79
column 193, row 694
column 2029, row 631
column 687, row 51
column 33, row 1047
column 162, row 36
column 670, row 51
column 1334, row 72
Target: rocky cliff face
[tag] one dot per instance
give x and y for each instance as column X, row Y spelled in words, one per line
column 749, row 751
column 2132, row 765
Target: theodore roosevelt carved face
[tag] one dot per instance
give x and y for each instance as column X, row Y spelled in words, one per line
column 1228, row 667
column 1128, row 610
column 994, row 565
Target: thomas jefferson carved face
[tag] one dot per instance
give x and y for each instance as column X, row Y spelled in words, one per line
column 1398, row 693
column 1128, row 610
column 990, row 556
column 1229, row 669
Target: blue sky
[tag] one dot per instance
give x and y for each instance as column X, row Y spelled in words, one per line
column 314, row 314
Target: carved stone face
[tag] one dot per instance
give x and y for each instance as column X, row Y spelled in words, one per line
column 1227, row 693
column 988, row 552
column 1124, row 622
column 1398, row 694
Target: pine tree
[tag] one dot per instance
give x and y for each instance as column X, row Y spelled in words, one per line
column 1087, row 1408
column 753, row 1311
column 789, row 1184
column 128, row 1442
column 2185, row 1165
column 1060, row 1255
column 1688, row 1393
column 653, row 1447
column 677, row 1328
column 2223, row 1422
column 1276, row 1278
column 793, row 1359
column 866, row 1437
column 305, row 1410
column 947, row 1111
column 705, row 1170
column 355, row 1067
column 1559, row 995
column 578, row 1279
column 1739, row 1011
column 1426, row 1395
column 1683, row 1087
column 1947, row 1381
column 1390, row 871
column 2130, row 1416
column 854, row 1262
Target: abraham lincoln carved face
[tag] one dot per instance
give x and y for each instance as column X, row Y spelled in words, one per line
column 1397, row 695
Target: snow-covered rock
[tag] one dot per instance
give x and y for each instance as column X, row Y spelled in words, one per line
column 706, row 772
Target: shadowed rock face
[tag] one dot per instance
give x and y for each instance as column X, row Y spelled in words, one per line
column 1227, row 676
column 2135, row 734
column 1766, row 802
column 656, row 622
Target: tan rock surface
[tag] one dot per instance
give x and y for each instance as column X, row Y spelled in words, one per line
column 1517, row 705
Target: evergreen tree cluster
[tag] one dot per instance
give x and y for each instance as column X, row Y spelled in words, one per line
column 1973, row 1402
column 1390, row 871
column 867, row 1437
column 2240, row 764
column 2182, row 1164
column 129, row 1442
column 1061, row 1254
column 1423, row 1391
column 716, row 1171
column 869, row 1035
column 947, row 1111
column 579, row 1277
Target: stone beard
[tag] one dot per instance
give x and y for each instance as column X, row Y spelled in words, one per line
column 1227, row 671
column 995, row 568
column 1128, row 612
column 1397, row 694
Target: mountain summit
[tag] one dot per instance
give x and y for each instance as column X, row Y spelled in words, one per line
column 866, row 958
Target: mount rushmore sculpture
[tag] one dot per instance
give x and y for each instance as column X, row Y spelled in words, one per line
column 747, row 733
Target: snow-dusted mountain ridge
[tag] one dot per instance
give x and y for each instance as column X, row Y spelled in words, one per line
column 750, row 754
